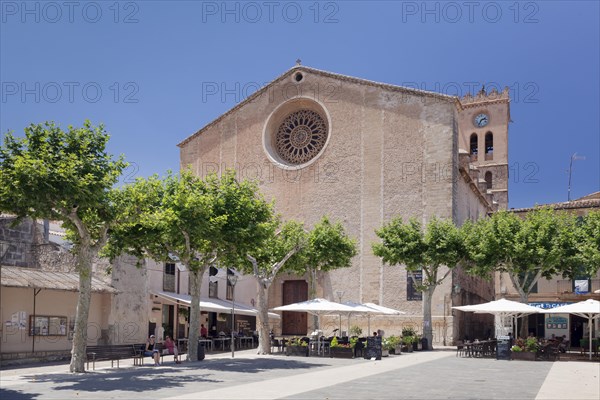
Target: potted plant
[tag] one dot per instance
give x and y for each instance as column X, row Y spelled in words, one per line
column 341, row 350
column 355, row 331
column 525, row 349
column 391, row 344
column 409, row 339
column 296, row 347
column 407, row 343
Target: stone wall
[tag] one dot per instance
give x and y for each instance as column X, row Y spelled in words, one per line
column 18, row 243
column 389, row 153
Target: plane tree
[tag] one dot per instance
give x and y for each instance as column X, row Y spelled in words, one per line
column 543, row 244
column 434, row 250
column 192, row 220
column 64, row 175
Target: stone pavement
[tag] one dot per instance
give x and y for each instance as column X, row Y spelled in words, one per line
column 419, row 375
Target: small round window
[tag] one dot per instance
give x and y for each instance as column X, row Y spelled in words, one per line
column 301, row 136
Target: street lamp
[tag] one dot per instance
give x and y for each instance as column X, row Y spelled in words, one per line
column 232, row 278
column 340, row 293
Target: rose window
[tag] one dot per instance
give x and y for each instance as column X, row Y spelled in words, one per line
column 301, row 136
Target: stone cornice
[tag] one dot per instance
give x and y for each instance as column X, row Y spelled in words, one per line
column 345, row 78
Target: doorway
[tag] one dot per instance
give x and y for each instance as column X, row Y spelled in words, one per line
column 577, row 329
column 294, row 323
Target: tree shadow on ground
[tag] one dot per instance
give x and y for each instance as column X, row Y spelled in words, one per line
column 255, row 365
column 123, row 379
column 16, row 395
column 145, row 379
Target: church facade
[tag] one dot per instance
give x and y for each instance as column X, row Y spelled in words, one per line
column 363, row 152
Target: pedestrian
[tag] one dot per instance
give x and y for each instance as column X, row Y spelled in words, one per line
column 151, row 350
column 170, row 348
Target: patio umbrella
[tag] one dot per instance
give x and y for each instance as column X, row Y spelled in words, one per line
column 381, row 310
column 589, row 309
column 316, row 307
column 501, row 308
column 357, row 309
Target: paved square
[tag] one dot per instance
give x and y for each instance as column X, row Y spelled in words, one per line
column 420, row 375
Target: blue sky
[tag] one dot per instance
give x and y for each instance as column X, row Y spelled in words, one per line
column 143, row 68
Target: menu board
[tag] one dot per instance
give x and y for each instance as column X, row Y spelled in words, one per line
column 373, row 349
column 503, row 348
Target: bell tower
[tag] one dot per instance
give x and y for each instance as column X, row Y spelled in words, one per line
column 483, row 134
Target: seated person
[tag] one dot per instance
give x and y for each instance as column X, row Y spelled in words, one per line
column 203, row 331
column 151, row 351
column 170, row 348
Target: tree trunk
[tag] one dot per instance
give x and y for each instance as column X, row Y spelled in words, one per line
column 524, row 296
column 313, row 295
column 84, row 264
column 264, row 338
column 196, row 282
column 427, row 322
column 525, row 319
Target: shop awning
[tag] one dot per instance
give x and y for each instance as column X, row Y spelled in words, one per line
column 39, row 279
column 211, row 304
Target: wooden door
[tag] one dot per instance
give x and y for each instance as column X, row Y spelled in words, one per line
column 294, row 323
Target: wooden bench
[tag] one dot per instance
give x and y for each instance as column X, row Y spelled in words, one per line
column 139, row 358
column 112, row 352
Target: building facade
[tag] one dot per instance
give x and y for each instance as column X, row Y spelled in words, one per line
column 362, row 152
column 558, row 290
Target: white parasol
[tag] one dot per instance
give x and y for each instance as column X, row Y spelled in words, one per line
column 589, row 309
column 502, row 309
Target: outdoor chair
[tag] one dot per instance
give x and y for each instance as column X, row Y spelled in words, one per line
column 460, row 349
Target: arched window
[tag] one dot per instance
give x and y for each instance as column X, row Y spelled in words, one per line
column 489, row 146
column 474, row 148
column 488, row 180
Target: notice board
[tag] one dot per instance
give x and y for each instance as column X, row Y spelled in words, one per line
column 373, row 349
column 503, row 348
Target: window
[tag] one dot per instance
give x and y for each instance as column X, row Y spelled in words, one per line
column 213, row 287
column 44, row 325
column 488, row 180
column 169, row 277
column 412, row 293
column 229, row 294
column 489, row 146
column 474, row 148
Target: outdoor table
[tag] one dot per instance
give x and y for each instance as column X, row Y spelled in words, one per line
column 318, row 346
column 207, row 343
column 222, row 341
column 247, row 340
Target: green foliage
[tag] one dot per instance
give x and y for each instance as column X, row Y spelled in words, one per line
column 66, row 176
column 355, row 331
column 327, row 248
column 408, row 331
column 279, row 239
column 391, row 342
column 408, row 340
column 295, row 341
column 408, row 243
column 353, row 340
column 60, row 175
column 529, row 344
column 334, row 342
column 190, row 218
column 543, row 244
column 589, row 243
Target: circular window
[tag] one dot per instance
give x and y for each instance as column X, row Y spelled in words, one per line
column 301, row 136
column 296, row 133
